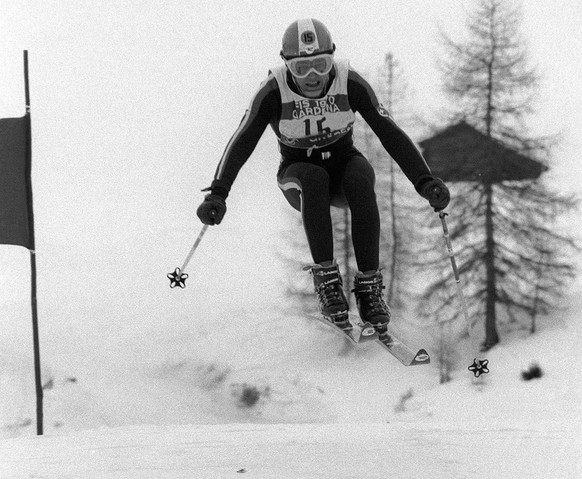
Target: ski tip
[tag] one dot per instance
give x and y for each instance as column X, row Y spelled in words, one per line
column 422, row 357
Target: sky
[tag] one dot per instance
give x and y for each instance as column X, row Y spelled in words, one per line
column 133, row 103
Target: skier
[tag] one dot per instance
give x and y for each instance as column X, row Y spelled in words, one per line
column 310, row 103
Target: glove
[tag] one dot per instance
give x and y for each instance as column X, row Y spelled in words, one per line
column 436, row 192
column 212, row 210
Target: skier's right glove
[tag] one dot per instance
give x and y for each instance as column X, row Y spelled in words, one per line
column 212, row 209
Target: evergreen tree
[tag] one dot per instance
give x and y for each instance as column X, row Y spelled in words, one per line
column 512, row 256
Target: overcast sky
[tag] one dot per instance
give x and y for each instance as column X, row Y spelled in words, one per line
column 133, row 101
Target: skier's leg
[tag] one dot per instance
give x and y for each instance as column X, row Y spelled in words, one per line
column 306, row 188
column 358, row 187
column 357, row 183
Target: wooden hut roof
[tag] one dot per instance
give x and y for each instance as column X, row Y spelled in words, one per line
column 462, row 153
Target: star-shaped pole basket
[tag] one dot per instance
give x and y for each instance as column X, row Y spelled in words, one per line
column 177, row 278
column 479, row 367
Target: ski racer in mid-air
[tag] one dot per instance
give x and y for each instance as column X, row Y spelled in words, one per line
column 310, row 102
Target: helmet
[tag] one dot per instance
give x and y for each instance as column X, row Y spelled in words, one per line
column 306, row 37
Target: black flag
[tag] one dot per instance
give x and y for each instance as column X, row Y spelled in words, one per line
column 15, row 194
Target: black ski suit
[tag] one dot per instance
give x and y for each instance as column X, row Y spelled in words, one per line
column 331, row 171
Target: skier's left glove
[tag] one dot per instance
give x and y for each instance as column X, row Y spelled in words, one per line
column 435, row 191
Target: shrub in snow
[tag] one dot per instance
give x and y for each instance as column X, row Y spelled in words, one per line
column 534, row 371
column 404, row 398
column 248, row 395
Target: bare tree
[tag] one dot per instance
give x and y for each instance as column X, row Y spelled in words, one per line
column 397, row 200
column 513, row 257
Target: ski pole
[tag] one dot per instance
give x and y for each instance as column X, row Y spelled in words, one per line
column 479, row 366
column 178, row 277
column 442, row 216
column 194, row 247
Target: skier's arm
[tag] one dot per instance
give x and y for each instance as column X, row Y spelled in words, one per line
column 396, row 142
column 262, row 109
column 245, row 138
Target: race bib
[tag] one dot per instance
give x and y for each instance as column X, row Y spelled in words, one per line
column 315, row 122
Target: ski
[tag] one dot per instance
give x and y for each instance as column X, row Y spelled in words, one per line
column 360, row 332
column 404, row 353
column 364, row 332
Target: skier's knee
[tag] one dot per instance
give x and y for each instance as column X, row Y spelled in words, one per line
column 359, row 179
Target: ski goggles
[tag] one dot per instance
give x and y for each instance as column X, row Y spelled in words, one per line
column 301, row 67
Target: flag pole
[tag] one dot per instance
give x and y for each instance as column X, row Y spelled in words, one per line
column 33, row 301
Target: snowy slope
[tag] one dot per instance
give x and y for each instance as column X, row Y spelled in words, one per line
column 352, row 414
column 297, row 451
column 145, row 381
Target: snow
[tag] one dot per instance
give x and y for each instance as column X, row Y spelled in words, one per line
column 349, row 450
column 209, row 402
column 147, row 381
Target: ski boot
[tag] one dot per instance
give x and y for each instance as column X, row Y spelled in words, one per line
column 333, row 304
column 371, row 305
